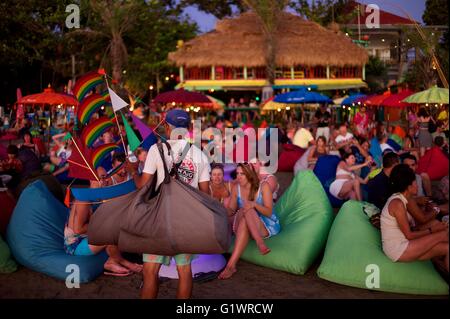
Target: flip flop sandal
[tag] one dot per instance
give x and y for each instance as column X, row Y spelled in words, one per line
column 117, row 274
column 204, row 277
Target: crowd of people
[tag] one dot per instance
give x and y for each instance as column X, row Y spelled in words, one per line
column 411, row 223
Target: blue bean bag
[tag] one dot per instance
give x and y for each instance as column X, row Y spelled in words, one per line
column 36, row 236
column 325, row 171
column 375, row 151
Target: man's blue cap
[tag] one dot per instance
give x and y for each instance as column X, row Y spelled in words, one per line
column 178, row 118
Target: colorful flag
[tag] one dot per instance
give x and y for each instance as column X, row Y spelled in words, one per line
column 85, row 84
column 133, row 140
column 89, row 106
column 95, row 129
column 143, row 129
column 117, row 102
column 101, row 152
column 68, row 136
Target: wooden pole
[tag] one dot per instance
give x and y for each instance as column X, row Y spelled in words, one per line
column 87, row 163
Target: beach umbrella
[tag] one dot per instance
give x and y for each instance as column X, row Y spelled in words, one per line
column 339, row 100
column 49, row 96
column 216, row 103
column 301, row 97
column 434, row 95
column 353, row 99
column 377, row 100
column 396, row 100
column 182, row 96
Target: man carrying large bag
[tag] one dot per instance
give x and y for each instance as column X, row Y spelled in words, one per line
column 194, row 171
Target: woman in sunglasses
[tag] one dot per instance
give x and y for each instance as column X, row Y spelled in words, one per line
column 252, row 203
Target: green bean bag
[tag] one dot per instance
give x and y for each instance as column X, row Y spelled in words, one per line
column 305, row 216
column 7, row 265
column 354, row 243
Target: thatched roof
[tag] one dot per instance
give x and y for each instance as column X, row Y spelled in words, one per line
column 240, row 41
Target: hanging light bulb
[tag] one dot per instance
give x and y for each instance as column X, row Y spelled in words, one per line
column 187, row 109
column 173, row 103
column 288, row 108
column 279, row 110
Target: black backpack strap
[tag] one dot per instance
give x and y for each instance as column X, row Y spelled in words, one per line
column 163, row 158
column 177, row 164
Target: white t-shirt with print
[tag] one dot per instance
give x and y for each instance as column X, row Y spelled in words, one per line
column 346, row 138
column 194, row 169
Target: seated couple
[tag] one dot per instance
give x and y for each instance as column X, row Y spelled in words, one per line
column 251, row 205
column 75, row 231
column 404, row 238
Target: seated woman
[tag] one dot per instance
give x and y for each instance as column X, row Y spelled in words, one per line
column 255, row 216
column 402, row 240
column 28, row 144
column 12, row 166
column 218, row 188
column 75, row 232
column 347, row 185
column 317, row 150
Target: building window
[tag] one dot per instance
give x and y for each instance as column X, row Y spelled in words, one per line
column 345, row 72
column 196, row 73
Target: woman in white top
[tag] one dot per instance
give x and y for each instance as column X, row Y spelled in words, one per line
column 347, row 185
column 402, row 241
column 265, row 177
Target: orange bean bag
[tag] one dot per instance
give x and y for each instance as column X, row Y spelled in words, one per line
column 434, row 163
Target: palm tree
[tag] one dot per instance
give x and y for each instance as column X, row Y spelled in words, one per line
column 269, row 13
column 111, row 19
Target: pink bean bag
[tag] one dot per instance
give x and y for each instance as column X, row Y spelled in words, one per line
column 434, row 163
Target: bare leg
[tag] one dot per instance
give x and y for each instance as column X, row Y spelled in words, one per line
column 426, row 182
column 184, row 290
column 242, row 237
column 346, row 189
column 115, row 256
column 151, row 281
column 420, row 247
column 257, row 230
column 357, row 189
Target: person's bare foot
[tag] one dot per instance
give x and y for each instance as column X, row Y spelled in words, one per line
column 263, row 249
column 130, row 266
column 227, row 273
column 114, row 268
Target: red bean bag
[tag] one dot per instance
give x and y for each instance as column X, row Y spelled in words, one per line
column 434, row 163
column 6, row 210
column 288, row 157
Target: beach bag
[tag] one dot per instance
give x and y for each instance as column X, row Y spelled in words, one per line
column 176, row 218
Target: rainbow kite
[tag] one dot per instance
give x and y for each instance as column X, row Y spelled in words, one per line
column 101, row 152
column 94, row 130
column 89, row 106
column 85, row 84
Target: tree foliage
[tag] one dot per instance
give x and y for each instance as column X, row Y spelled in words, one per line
column 324, row 12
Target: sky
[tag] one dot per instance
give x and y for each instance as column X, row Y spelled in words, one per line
column 414, row 8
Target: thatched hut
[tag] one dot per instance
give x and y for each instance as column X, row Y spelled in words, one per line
column 233, row 56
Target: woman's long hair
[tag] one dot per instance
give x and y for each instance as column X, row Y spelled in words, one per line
column 252, row 178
